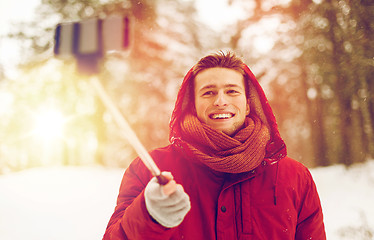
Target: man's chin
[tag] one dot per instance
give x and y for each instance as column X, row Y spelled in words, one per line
column 226, row 131
column 228, row 128
column 233, row 130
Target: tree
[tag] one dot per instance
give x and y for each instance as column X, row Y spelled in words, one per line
column 329, row 75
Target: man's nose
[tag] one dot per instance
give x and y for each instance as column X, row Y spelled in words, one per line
column 220, row 100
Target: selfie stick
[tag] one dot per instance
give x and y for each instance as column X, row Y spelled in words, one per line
column 87, row 40
column 129, row 133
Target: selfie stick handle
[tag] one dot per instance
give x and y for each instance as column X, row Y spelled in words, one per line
column 129, row 133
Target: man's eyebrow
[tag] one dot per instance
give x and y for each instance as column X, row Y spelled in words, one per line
column 210, row 86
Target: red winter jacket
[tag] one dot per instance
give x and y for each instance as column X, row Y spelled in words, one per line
column 274, row 201
column 277, row 200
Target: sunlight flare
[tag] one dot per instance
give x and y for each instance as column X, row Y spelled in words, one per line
column 49, row 124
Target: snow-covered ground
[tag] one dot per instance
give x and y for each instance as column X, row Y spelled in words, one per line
column 75, row 203
column 61, row 203
column 347, row 197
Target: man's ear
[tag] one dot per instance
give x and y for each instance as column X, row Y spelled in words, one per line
column 248, row 110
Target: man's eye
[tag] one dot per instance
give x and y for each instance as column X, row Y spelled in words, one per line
column 232, row 92
column 208, row 93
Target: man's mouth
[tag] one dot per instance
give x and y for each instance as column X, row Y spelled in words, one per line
column 221, row 115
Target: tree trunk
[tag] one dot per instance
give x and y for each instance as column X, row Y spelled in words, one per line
column 344, row 100
column 316, row 123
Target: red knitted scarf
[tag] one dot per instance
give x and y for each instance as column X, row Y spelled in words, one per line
column 240, row 153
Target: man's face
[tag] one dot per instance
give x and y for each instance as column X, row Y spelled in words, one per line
column 220, row 99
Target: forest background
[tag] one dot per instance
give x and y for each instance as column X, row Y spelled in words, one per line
column 314, row 58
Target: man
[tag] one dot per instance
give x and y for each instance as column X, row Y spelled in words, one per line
column 229, row 174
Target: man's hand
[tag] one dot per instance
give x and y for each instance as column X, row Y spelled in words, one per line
column 167, row 204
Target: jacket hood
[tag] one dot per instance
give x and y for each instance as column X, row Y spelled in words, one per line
column 259, row 105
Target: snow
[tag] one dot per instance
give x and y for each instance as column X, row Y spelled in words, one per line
column 75, row 203
column 347, row 197
column 57, row 203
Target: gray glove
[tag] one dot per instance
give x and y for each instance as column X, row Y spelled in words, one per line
column 168, row 210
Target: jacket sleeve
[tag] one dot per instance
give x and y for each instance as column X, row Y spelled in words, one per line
column 310, row 220
column 131, row 219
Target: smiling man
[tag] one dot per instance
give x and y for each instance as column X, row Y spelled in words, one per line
column 230, row 177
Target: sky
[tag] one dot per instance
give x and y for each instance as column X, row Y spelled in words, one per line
column 218, row 14
column 10, row 12
column 214, row 12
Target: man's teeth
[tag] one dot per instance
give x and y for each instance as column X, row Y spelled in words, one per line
column 221, row 116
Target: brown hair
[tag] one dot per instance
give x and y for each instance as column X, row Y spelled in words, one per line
column 220, row 59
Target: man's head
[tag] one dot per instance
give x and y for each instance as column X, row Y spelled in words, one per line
column 220, row 92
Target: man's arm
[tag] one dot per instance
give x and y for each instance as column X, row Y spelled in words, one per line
column 139, row 199
column 310, row 221
column 131, row 219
